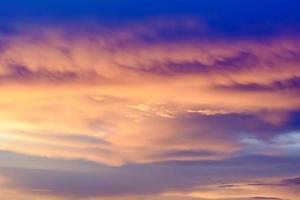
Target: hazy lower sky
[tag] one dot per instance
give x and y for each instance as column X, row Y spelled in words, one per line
column 150, row 100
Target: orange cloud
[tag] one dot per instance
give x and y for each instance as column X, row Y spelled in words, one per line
column 108, row 100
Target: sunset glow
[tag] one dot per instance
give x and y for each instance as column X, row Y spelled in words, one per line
column 150, row 100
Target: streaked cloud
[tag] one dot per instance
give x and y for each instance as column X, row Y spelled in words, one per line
column 112, row 93
column 169, row 103
column 263, row 175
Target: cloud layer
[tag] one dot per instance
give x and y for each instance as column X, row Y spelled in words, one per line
column 113, row 93
column 161, row 105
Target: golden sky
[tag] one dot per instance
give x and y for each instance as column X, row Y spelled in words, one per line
column 166, row 106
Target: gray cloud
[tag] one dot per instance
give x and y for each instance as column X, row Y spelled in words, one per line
column 146, row 179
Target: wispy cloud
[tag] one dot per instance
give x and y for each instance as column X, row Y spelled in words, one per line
column 157, row 101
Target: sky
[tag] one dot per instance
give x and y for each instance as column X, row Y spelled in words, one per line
column 150, row 100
